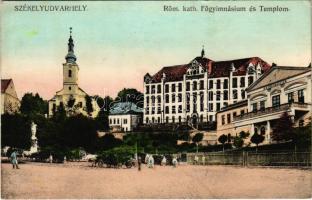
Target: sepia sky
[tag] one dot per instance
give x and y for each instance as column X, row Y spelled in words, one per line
column 116, row 43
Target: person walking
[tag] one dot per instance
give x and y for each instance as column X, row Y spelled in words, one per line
column 174, row 162
column 139, row 163
column 14, row 159
column 50, row 158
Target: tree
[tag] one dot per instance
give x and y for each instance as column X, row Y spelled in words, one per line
column 283, row 129
column 102, row 117
column 222, row 139
column 32, row 105
column 89, row 106
column 243, row 134
column 15, row 131
column 238, row 142
column 155, row 144
column 257, row 139
column 130, row 95
column 197, row 138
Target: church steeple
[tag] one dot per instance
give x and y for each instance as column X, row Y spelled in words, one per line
column 70, row 57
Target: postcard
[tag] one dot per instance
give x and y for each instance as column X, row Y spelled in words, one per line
column 155, row 99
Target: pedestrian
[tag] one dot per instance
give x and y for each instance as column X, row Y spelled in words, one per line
column 50, row 158
column 196, row 160
column 14, row 159
column 164, row 161
column 139, row 163
column 151, row 162
column 65, row 159
column 174, row 162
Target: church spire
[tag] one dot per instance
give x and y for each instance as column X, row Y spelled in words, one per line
column 203, row 52
column 70, row 57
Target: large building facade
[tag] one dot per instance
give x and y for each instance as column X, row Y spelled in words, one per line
column 71, row 96
column 280, row 90
column 192, row 93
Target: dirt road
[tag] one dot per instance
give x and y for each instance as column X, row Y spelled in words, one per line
column 78, row 180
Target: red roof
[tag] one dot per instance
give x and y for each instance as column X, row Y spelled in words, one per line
column 4, row 84
column 215, row 69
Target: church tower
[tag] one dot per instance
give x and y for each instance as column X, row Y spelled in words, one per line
column 70, row 69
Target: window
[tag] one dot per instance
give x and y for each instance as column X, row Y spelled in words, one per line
column 180, row 87
column 180, row 109
column 158, row 120
column 225, row 104
column 153, row 120
column 173, row 119
column 210, row 84
column 223, row 119
column 218, row 84
column 242, row 112
column 153, row 99
column 188, row 108
column 243, row 94
column 188, row 86
column 250, row 80
column 173, row 98
column 218, row 95
column 276, row 101
column 180, row 120
column 114, row 121
column 194, row 108
column 201, row 107
column 225, row 84
column 234, row 114
column 201, row 85
column 234, row 82
column 153, row 110
column 262, row 105
column 228, row 116
column 158, row 99
column 194, row 97
column 167, row 119
column 167, row 98
column 158, row 88
column 218, row 106
column 210, row 118
column 201, row 96
column 179, row 97
column 110, row 121
column 153, row 89
column 125, row 121
column 290, row 97
column 167, row 88
column 69, row 88
column 146, row 119
column 147, row 111
column 159, row 110
column 254, row 107
column 69, row 73
column 147, row 101
column 225, row 95
column 211, row 107
column 187, row 97
column 173, row 87
column 117, row 121
column 210, row 96
column 173, row 109
column 234, row 94
column 201, row 118
column 147, row 89
column 194, row 85
column 300, row 96
column 167, row 109
column 242, row 82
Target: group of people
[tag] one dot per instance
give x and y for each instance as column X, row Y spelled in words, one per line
column 149, row 159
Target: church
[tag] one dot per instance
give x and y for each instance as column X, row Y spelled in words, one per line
column 71, row 97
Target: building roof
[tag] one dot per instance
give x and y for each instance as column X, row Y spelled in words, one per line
column 276, row 74
column 4, row 84
column 215, row 68
column 122, row 108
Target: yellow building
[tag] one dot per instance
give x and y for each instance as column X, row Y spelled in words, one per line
column 225, row 118
column 9, row 100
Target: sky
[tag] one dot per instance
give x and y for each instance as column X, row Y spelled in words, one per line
column 117, row 43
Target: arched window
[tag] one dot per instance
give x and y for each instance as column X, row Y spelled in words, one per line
column 262, row 130
column 69, row 73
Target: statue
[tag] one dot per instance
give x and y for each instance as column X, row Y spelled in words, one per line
column 34, row 140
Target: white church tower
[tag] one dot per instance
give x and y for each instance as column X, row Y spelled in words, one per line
column 71, row 97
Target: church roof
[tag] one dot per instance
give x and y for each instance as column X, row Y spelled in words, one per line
column 215, row 68
column 5, row 84
column 122, row 108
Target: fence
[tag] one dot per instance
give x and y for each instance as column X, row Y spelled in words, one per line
column 251, row 158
